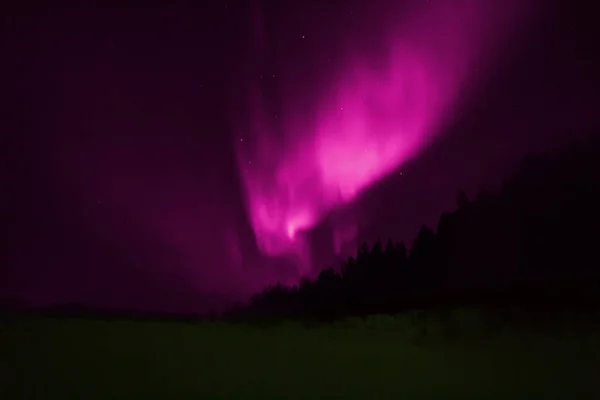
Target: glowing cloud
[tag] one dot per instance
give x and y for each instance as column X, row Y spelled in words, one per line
column 372, row 121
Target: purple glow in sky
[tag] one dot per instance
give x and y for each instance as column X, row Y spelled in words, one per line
column 373, row 117
column 180, row 156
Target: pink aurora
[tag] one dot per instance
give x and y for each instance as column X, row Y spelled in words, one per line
column 372, row 121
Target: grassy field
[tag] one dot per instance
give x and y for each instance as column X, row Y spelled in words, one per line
column 377, row 358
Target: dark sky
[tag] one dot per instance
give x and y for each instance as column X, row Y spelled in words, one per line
column 135, row 151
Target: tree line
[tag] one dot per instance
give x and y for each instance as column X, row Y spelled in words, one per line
column 534, row 243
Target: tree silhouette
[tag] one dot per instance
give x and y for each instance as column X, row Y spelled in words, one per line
column 532, row 243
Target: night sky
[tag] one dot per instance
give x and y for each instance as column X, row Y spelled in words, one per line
column 181, row 157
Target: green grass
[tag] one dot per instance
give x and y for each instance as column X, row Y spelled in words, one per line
column 378, row 358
